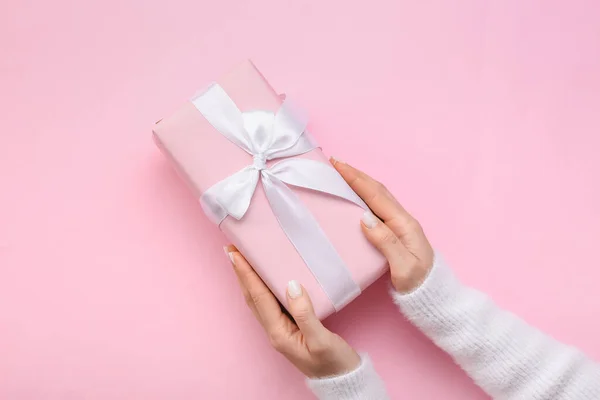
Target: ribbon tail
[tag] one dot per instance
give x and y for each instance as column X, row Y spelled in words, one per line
column 316, row 176
column 310, row 241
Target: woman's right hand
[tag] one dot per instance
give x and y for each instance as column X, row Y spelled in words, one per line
column 391, row 229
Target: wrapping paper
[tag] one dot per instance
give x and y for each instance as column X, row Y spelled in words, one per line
column 203, row 157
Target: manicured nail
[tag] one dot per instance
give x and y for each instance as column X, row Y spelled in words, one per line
column 294, row 289
column 334, row 161
column 229, row 254
column 369, row 219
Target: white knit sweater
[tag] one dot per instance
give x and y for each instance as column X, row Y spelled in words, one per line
column 507, row 358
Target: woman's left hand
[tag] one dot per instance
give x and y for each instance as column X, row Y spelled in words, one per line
column 304, row 341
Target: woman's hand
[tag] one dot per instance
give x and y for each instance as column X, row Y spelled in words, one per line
column 304, row 341
column 391, row 229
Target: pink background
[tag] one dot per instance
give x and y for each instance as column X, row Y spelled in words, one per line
column 482, row 116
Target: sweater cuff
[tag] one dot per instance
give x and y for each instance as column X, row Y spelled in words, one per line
column 362, row 383
column 439, row 288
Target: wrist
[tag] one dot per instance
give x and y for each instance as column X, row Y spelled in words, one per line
column 335, row 363
column 412, row 280
column 439, row 287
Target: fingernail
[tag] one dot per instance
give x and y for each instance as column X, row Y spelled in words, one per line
column 294, row 289
column 229, row 254
column 369, row 219
column 335, row 161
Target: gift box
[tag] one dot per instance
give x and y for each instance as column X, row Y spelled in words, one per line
column 261, row 178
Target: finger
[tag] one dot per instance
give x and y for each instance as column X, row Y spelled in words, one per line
column 402, row 261
column 258, row 295
column 377, row 197
column 228, row 251
column 301, row 309
column 248, row 300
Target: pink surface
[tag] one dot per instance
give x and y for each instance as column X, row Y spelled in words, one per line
column 482, row 116
column 203, row 156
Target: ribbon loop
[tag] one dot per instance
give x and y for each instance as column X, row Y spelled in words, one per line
column 267, row 136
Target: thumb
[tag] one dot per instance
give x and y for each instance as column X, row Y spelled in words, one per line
column 301, row 309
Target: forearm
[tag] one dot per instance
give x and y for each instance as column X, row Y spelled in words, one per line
column 504, row 356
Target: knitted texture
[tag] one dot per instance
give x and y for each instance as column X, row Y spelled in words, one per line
column 360, row 384
column 507, row 358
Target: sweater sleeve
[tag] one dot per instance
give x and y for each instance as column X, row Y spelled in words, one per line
column 507, row 358
column 361, row 384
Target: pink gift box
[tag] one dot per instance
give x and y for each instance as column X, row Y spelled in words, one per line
column 204, row 157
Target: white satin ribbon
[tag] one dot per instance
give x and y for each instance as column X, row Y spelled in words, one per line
column 266, row 136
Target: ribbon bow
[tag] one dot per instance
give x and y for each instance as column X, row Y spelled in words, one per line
column 267, row 136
